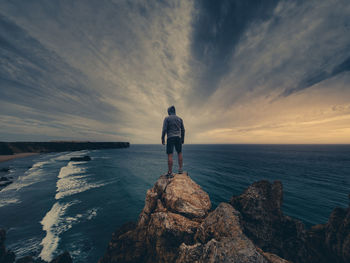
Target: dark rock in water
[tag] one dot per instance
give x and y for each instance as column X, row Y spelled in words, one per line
column 4, row 178
column 6, row 256
column 175, row 226
column 4, row 184
column 81, row 159
column 4, row 170
column 26, row 259
column 63, row 258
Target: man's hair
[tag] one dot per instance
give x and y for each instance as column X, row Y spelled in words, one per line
column 171, row 110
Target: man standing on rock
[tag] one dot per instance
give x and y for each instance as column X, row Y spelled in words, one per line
column 173, row 127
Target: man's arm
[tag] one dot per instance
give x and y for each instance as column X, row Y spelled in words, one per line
column 165, row 126
column 182, row 132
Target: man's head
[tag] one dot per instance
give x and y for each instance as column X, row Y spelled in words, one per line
column 171, row 110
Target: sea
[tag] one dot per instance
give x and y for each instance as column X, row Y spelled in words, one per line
column 57, row 205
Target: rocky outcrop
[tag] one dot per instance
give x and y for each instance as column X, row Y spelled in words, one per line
column 7, row 148
column 265, row 224
column 6, row 256
column 330, row 242
column 4, row 181
column 172, row 213
column 81, row 158
column 176, row 225
column 63, row 258
column 220, row 238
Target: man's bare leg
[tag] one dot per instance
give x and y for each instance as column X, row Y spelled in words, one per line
column 179, row 157
column 170, row 163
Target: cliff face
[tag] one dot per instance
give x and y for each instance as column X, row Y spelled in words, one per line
column 176, row 226
column 265, row 224
column 5, row 255
column 43, row 147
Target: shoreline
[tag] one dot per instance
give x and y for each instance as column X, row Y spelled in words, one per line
column 5, row 158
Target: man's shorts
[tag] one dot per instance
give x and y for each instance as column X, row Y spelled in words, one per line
column 171, row 142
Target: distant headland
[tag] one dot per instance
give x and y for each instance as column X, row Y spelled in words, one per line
column 10, row 150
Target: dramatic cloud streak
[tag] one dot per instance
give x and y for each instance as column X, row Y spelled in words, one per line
column 238, row 72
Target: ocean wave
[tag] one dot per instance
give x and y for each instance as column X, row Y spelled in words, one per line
column 26, row 247
column 7, row 201
column 31, row 176
column 55, row 223
column 73, row 181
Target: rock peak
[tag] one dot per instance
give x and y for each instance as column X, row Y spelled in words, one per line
column 176, row 225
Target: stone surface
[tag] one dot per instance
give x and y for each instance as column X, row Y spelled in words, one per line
column 330, row 242
column 175, row 225
column 184, row 196
column 81, row 158
column 26, row 259
column 220, row 239
column 173, row 210
column 63, row 258
column 264, row 223
column 6, row 256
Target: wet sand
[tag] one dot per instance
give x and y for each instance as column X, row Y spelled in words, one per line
column 4, row 158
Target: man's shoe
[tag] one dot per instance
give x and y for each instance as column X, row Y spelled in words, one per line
column 169, row 175
column 180, row 171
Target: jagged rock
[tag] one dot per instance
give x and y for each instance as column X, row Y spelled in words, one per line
column 3, row 178
column 175, row 226
column 173, row 210
column 185, row 197
column 26, row 259
column 6, row 256
column 272, row 258
column 221, row 240
column 330, row 242
column 81, row 158
column 4, row 169
column 4, row 184
column 264, row 223
column 63, row 258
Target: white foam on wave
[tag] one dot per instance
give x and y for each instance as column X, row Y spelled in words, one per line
column 30, row 177
column 72, row 180
column 54, row 224
column 26, row 247
column 9, row 194
column 8, row 201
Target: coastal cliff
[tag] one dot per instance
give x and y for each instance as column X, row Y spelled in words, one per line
column 8, row 148
column 178, row 225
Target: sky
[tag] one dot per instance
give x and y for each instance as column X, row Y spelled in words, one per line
column 237, row 71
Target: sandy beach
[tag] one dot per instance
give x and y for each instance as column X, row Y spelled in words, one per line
column 4, row 158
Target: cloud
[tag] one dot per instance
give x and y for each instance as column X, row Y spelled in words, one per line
column 236, row 71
